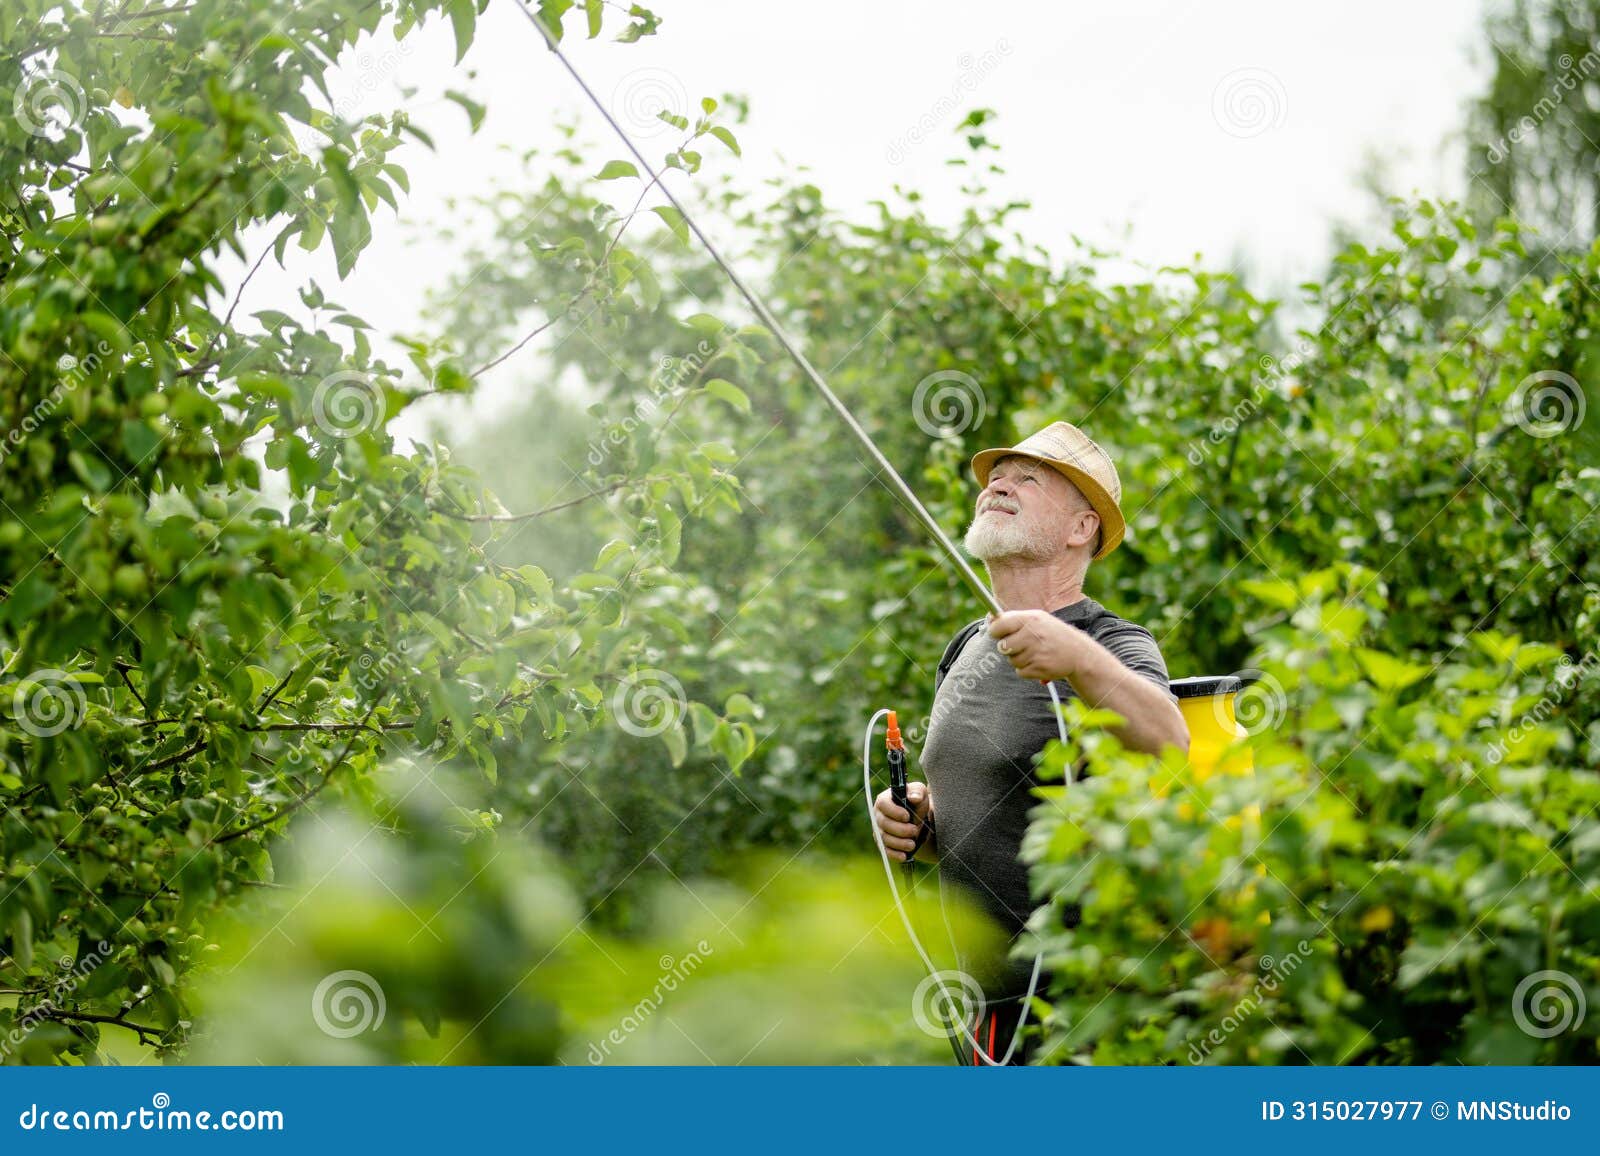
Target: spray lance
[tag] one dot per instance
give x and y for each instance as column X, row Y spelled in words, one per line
column 886, row 472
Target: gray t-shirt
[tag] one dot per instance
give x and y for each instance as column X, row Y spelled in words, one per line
column 987, row 726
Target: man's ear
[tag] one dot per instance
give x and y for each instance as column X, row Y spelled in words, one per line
column 1088, row 525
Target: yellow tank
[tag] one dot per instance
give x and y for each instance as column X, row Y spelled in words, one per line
column 1206, row 703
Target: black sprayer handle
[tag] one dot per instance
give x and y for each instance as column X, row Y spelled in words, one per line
column 897, row 782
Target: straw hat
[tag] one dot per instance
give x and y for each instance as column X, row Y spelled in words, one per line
column 1074, row 454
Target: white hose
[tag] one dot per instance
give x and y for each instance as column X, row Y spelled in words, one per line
column 894, row 888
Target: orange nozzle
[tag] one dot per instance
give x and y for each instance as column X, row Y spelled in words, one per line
column 892, row 739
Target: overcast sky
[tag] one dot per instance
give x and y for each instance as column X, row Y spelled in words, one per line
column 1165, row 130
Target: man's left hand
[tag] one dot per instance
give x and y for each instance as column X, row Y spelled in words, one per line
column 1039, row 645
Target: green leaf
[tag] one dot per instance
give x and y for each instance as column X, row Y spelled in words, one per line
column 674, row 220
column 615, row 170
column 475, row 111
column 139, row 441
column 740, row 705
column 1283, row 595
column 705, row 722
column 726, row 138
column 551, row 12
column 1388, row 672
column 677, row 743
column 22, row 937
column 463, row 22
column 671, row 533
column 594, row 9
column 728, row 392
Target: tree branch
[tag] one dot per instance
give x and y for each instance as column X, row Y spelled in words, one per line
column 539, row 513
column 120, row 1020
column 327, row 776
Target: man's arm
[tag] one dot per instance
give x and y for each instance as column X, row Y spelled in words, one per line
column 1041, row 646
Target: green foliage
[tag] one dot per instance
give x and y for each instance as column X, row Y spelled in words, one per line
column 1422, row 424
column 228, row 590
column 646, row 634
column 1533, row 132
column 1412, row 846
column 374, row 951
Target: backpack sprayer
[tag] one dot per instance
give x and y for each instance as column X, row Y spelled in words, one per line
column 1208, row 723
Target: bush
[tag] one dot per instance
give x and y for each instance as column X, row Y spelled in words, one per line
column 1404, row 877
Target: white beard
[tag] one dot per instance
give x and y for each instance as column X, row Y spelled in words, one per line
column 993, row 536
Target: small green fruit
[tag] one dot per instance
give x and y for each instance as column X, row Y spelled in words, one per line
column 130, row 581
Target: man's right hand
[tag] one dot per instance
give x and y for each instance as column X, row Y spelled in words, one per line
column 899, row 829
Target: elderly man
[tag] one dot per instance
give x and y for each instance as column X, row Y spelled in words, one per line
column 1047, row 508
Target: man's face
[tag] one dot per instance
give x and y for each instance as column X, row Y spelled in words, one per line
column 1028, row 512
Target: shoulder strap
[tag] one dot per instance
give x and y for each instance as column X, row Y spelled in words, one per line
column 953, row 651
